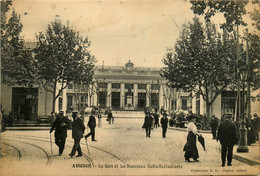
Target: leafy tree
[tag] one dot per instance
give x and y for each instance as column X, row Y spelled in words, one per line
column 203, row 61
column 62, row 57
column 254, row 48
column 16, row 61
column 232, row 10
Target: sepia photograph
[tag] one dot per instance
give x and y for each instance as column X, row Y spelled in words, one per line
column 130, row 87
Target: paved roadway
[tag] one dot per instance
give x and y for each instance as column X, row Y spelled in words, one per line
column 121, row 148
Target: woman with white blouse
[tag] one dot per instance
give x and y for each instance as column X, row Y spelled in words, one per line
column 190, row 147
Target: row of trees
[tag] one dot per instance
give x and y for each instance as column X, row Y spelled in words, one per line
column 61, row 56
column 204, row 58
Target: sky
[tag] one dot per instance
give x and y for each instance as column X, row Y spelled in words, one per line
column 119, row 31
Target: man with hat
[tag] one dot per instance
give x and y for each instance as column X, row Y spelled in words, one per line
column 92, row 126
column 228, row 138
column 148, row 121
column 60, row 125
column 78, row 129
column 214, row 126
column 164, row 124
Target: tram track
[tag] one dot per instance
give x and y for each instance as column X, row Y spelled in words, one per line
column 97, row 148
column 19, row 155
column 41, row 140
column 40, row 148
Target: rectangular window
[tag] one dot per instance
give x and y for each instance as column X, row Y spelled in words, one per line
column 102, row 99
column 127, row 86
column 155, row 100
column 116, row 85
column 69, row 100
column 197, row 103
column 141, row 86
column 60, row 103
column 155, row 86
column 184, row 104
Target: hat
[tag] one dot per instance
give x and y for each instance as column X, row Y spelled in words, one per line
column 190, row 117
column 255, row 114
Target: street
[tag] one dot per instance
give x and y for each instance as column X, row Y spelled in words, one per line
column 120, row 148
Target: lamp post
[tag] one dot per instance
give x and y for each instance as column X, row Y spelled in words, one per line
column 242, row 144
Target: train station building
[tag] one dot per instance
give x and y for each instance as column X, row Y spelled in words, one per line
column 122, row 88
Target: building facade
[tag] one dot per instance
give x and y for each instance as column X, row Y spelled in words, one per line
column 124, row 88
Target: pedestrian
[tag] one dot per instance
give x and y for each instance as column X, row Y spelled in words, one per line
column 190, row 147
column 164, row 124
column 227, row 137
column 148, row 121
column 256, row 123
column 99, row 118
column 110, row 117
column 251, row 135
column 2, row 109
column 52, row 118
column 60, row 125
column 214, row 126
column 156, row 118
column 78, row 129
column 92, row 126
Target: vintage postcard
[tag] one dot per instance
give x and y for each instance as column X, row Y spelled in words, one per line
column 117, row 87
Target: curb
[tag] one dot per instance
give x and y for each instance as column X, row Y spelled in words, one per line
column 27, row 128
column 245, row 160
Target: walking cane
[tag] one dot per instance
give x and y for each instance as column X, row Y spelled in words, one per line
column 51, row 143
column 87, row 146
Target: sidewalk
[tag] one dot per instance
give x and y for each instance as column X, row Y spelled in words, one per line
column 252, row 157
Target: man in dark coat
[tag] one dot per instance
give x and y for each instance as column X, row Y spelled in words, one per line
column 256, row 123
column 78, row 129
column 92, row 126
column 214, row 126
column 227, row 137
column 164, row 123
column 110, row 117
column 60, row 125
column 148, row 121
column 156, row 119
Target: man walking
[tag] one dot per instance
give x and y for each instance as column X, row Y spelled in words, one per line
column 110, row 117
column 92, row 126
column 78, row 129
column 156, row 119
column 60, row 125
column 214, row 126
column 164, row 123
column 148, row 121
column 227, row 137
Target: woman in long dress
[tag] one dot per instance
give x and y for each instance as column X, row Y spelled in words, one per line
column 190, row 147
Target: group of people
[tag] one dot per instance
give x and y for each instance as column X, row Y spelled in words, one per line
column 226, row 132
column 152, row 120
column 61, row 124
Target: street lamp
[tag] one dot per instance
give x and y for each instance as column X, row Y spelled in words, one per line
column 242, row 144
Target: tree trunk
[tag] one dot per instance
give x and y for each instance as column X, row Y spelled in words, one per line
column 53, row 102
column 208, row 105
column 53, row 98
